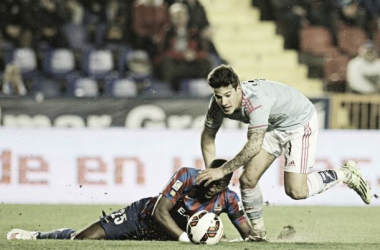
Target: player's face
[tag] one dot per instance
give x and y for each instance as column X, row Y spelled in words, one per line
column 214, row 188
column 228, row 98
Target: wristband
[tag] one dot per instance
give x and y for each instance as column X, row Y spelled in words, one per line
column 183, row 237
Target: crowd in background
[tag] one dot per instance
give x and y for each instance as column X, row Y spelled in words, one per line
column 101, row 42
column 357, row 21
column 126, row 48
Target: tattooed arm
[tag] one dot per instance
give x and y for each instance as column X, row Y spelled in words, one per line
column 250, row 149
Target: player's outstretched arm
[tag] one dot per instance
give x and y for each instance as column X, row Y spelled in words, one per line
column 250, row 150
column 162, row 216
column 208, row 145
column 244, row 229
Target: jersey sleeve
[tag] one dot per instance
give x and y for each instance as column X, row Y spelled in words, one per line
column 235, row 210
column 258, row 111
column 215, row 115
column 181, row 181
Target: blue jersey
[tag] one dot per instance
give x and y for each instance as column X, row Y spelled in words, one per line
column 136, row 221
column 182, row 191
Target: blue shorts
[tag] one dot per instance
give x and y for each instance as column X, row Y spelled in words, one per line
column 126, row 224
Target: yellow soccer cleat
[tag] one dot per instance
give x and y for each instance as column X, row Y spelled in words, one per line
column 356, row 181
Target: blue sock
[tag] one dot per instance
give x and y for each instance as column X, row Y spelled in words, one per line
column 60, row 234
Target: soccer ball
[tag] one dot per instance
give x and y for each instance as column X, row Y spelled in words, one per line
column 204, row 227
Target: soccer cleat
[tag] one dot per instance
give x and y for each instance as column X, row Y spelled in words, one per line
column 19, row 234
column 356, row 182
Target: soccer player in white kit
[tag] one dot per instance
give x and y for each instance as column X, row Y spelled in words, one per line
column 281, row 121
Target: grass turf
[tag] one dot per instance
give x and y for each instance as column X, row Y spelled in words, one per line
column 315, row 228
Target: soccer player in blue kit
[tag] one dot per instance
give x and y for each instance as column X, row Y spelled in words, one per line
column 281, row 121
column 163, row 217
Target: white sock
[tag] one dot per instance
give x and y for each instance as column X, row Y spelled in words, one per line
column 319, row 182
column 253, row 204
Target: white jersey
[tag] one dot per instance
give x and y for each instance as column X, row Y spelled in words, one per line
column 266, row 104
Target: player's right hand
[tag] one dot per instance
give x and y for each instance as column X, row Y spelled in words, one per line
column 256, row 238
column 209, row 175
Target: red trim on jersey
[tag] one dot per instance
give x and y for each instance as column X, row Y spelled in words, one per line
column 249, row 106
column 308, row 140
column 305, row 148
column 256, row 107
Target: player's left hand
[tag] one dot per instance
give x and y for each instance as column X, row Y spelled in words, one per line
column 209, row 175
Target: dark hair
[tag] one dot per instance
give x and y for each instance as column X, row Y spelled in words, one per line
column 222, row 76
column 218, row 163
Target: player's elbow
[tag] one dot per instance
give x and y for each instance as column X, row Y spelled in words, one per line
column 208, row 135
column 159, row 215
column 207, row 141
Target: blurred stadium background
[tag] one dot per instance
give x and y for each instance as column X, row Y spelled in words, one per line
column 98, row 122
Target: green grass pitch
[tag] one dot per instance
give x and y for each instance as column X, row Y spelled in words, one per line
column 315, row 228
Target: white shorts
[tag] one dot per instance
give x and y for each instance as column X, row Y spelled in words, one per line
column 297, row 145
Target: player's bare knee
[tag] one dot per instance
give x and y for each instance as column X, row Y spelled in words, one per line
column 296, row 194
column 247, row 182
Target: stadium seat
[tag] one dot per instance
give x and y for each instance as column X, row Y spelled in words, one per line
column 195, row 87
column 25, row 58
column 121, row 87
column 46, row 87
column 83, row 87
column 315, row 43
column 350, row 39
column 335, row 68
column 97, row 63
column 154, row 89
column 316, row 40
column 135, row 64
column 58, row 63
